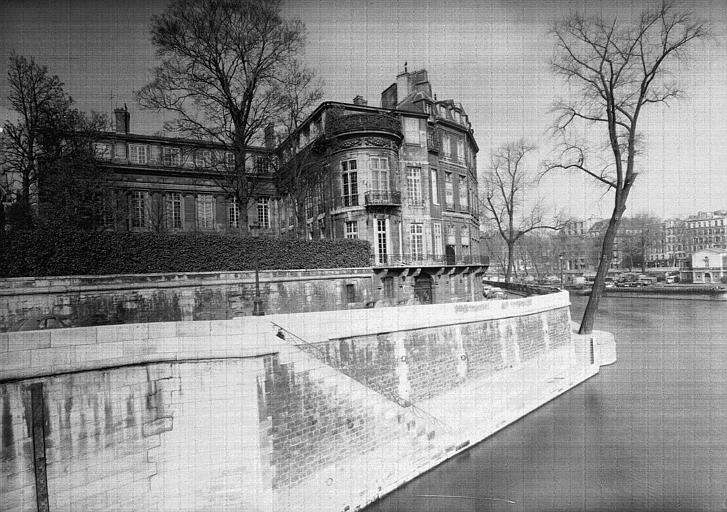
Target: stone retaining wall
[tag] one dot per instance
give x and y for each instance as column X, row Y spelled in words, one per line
column 247, row 414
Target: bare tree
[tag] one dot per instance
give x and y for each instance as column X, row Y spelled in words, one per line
column 46, row 157
column 223, row 75
column 300, row 175
column 504, row 186
column 36, row 96
column 616, row 70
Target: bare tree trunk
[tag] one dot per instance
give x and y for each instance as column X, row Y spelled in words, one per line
column 589, row 315
column 510, row 251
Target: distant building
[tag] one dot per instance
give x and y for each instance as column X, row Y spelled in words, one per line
column 709, row 266
column 706, row 230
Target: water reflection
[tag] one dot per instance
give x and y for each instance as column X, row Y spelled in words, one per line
column 648, row 433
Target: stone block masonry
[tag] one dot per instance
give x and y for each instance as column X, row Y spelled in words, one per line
column 227, row 415
column 88, row 300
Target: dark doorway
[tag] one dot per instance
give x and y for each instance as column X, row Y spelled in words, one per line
column 423, row 289
column 449, row 254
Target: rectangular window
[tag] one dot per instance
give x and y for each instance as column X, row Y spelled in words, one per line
column 138, row 209
column 449, row 189
column 350, row 293
column 233, row 213
column 350, row 183
column 460, row 150
column 435, row 187
column 261, row 165
column 172, row 157
column 139, row 153
column 411, row 130
column 102, row 151
column 381, row 241
column 205, row 211
column 437, row 227
column 414, row 185
column 203, row 158
column 465, row 240
column 352, row 229
column 174, row 211
column 229, row 159
column 379, row 174
column 446, row 146
column 416, row 242
column 308, row 204
column 463, row 193
column 451, row 235
column 263, row 212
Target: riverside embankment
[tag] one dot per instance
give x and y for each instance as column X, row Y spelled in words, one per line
column 313, row 411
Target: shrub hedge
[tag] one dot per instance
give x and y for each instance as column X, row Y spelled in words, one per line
column 55, row 253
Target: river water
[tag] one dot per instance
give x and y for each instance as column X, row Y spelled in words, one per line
column 647, row 433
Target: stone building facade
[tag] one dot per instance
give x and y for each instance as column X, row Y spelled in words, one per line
column 169, row 184
column 402, row 176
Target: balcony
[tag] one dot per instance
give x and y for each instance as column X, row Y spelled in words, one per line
column 353, row 123
column 427, row 260
column 382, row 198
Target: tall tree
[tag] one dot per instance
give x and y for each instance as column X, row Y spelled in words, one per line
column 504, row 186
column 46, row 156
column 616, row 70
column 224, row 75
column 36, row 97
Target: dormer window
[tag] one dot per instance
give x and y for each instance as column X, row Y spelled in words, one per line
column 102, row 150
column 139, row 153
column 203, row 158
column 172, row 157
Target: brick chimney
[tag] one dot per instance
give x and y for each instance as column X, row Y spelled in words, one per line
column 121, row 115
column 270, row 136
column 359, row 100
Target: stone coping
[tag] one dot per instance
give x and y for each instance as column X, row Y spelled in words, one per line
column 60, row 284
column 41, row 353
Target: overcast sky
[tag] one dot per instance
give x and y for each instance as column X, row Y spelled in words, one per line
column 493, row 57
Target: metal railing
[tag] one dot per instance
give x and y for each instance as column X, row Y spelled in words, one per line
column 316, row 352
column 382, row 198
column 428, row 259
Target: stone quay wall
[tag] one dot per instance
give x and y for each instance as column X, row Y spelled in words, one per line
column 88, row 300
column 272, row 413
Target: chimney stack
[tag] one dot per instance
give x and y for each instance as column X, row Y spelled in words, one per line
column 359, row 100
column 270, row 136
column 122, row 118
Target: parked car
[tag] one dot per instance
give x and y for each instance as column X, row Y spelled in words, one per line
column 36, row 323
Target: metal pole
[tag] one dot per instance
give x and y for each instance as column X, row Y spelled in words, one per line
column 257, row 304
column 560, row 258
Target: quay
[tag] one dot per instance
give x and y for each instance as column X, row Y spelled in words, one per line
column 310, row 411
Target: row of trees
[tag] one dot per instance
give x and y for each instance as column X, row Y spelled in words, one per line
column 230, row 68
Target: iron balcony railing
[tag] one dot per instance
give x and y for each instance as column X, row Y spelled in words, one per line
column 393, row 260
column 382, row 198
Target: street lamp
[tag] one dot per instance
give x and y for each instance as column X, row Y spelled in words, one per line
column 560, row 258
